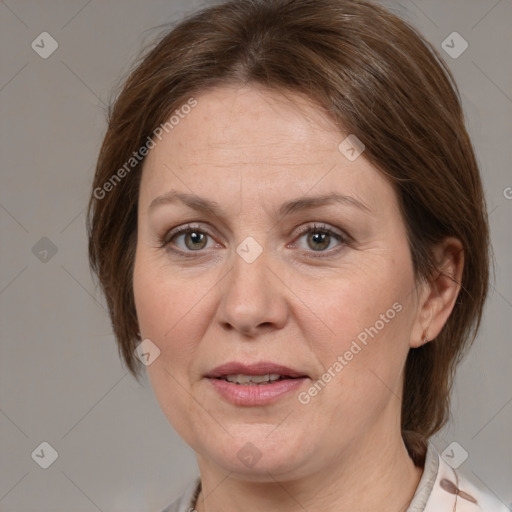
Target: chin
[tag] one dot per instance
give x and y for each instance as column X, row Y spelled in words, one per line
column 257, row 456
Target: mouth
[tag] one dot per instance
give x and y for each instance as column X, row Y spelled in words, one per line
column 256, row 373
column 255, row 384
column 254, row 380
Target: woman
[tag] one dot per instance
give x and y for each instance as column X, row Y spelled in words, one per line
column 288, row 222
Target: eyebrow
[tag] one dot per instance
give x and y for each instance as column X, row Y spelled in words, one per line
column 304, row 203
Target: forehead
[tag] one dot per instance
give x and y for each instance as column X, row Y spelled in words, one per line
column 268, row 140
column 232, row 122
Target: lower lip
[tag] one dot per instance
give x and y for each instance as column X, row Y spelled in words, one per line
column 258, row 394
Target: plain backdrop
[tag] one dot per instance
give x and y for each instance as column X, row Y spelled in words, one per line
column 61, row 381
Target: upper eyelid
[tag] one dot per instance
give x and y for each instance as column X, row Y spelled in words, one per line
column 321, row 226
column 183, row 229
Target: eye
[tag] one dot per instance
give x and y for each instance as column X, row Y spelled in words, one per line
column 320, row 238
column 187, row 239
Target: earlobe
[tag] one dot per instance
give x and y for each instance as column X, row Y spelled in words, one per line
column 441, row 291
column 426, row 337
column 425, row 321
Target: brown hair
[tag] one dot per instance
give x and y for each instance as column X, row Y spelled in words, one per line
column 380, row 80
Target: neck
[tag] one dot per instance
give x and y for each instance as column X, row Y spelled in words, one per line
column 372, row 474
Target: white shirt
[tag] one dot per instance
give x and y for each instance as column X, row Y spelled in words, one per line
column 441, row 489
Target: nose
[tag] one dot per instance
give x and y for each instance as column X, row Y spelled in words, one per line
column 252, row 300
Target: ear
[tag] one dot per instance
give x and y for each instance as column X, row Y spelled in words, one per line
column 438, row 295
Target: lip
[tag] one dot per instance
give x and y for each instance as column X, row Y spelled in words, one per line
column 255, row 395
column 259, row 368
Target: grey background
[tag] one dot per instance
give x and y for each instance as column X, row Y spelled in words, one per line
column 60, row 377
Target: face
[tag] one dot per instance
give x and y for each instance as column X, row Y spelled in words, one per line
column 265, row 253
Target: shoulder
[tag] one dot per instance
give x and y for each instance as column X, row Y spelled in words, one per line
column 453, row 490
column 185, row 503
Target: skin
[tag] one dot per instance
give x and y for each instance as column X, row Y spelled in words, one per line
column 251, row 150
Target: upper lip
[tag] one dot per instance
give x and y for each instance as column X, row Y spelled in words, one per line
column 259, row 368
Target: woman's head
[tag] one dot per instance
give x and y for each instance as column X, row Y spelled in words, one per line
column 248, row 105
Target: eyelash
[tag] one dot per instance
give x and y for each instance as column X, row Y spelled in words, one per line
column 164, row 242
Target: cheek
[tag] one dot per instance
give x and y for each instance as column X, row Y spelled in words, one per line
column 169, row 310
column 362, row 361
column 366, row 316
column 364, row 303
column 171, row 314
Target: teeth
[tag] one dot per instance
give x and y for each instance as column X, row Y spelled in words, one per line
column 253, row 379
